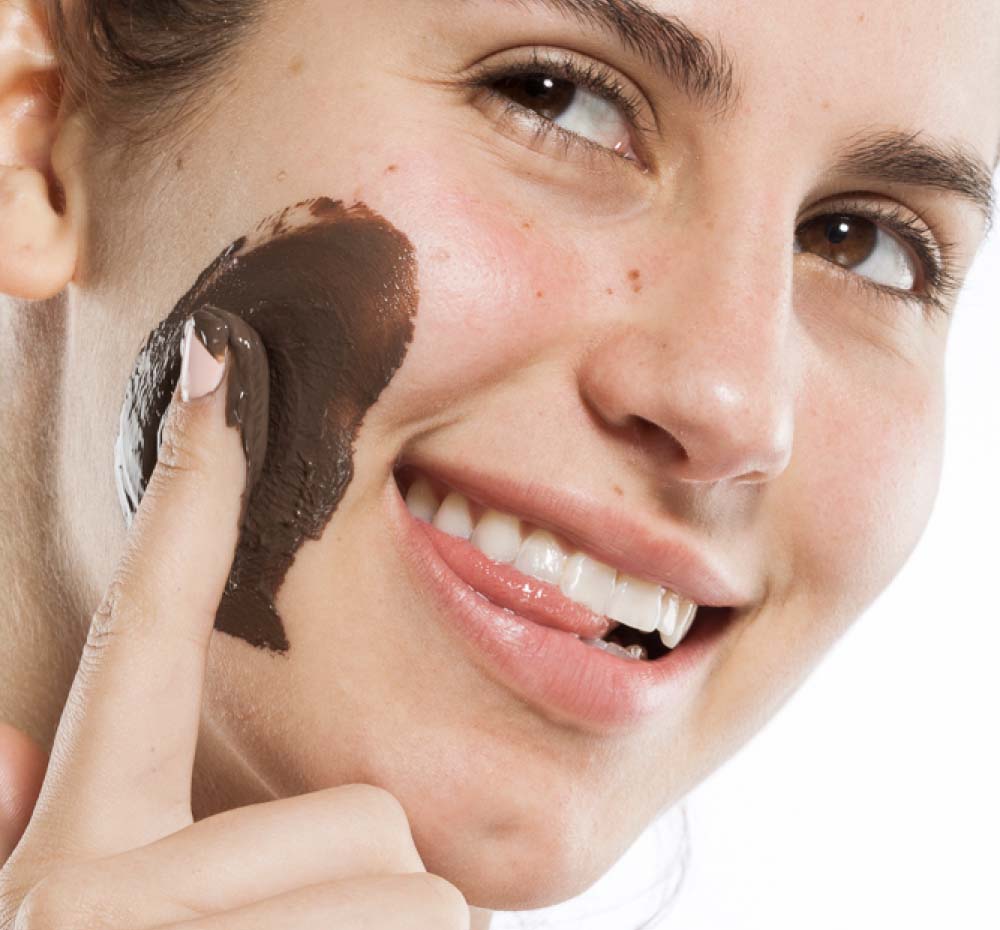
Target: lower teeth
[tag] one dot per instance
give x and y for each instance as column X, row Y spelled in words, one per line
column 634, row 652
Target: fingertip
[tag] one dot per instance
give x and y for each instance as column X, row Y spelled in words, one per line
column 202, row 370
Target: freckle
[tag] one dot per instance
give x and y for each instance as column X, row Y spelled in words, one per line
column 392, row 169
column 825, row 104
column 297, row 65
column 618, row 490
column 861, row 18
column 539, row 294
column 527, row 224
column 635, row 278
column 611, row 292
column 281, row 175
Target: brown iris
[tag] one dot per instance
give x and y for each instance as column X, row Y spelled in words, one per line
column 846, row 240
column 548, row 96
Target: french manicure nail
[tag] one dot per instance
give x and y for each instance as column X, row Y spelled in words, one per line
column 201, row 371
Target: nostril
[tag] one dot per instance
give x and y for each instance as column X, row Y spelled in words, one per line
column 405, row 476
column 657, row 440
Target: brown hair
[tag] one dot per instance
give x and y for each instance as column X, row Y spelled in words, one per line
column 138, row 66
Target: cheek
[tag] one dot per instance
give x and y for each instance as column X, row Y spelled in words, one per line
column 865, row 482
column 498, row 289
column 839, row 524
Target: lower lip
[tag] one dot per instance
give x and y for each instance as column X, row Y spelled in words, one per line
column 551, row 669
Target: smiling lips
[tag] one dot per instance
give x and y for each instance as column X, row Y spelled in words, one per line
column 559, row 657
column 613, row 598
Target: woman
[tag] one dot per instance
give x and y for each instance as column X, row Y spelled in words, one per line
column 639, row 307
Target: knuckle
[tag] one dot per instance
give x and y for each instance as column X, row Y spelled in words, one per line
column 104, row 621
column 388, row 831
column 44, row 907
column 379, row 806
column 122, row 609
column 365, row 824
column 66, row 899
column 177, row 453
column 104, row 627
column 443, row 903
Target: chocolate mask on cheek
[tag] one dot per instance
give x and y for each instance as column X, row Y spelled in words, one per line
column 332, row 293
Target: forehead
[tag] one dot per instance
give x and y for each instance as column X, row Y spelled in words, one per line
column 923, row 64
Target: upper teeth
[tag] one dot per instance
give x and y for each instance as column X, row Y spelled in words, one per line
column 632, row 601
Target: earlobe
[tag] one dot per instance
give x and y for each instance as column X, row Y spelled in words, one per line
column 38, row 229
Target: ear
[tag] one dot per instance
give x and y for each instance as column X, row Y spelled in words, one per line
column 38, row 235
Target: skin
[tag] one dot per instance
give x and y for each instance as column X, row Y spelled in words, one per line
column 793, row 419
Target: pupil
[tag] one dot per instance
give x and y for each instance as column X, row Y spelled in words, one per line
column 838, row 229
column 538, row 86
column 548, row 96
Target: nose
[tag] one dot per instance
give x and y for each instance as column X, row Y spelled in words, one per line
column 699, row 369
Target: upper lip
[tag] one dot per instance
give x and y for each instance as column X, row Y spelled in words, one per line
column 607, row 534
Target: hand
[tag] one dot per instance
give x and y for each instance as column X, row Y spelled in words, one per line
column 112, row 841
column 22, row 768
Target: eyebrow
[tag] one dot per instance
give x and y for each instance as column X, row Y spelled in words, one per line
column 895, row 157
column 705, row 71
column 702, row 69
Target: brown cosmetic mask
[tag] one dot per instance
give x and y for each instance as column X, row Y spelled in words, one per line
column 330, row 294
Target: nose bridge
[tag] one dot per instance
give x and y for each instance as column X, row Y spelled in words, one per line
column 731, row 381
column 708, row 357
column 730, row 317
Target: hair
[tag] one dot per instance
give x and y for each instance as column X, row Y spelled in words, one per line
column 139, row 69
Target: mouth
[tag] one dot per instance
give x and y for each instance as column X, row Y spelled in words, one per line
column 607, row 608
column 586, row 637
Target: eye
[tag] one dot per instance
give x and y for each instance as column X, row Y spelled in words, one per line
column 863, row 247
column 557, row 98
column 592, row 114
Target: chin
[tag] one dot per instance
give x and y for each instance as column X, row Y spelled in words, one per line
column 518, row 853
column 511, row 875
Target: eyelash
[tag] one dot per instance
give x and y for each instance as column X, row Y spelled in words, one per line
column 934, row 256
column 591, row 75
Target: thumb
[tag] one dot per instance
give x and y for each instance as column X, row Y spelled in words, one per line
column 22, row 770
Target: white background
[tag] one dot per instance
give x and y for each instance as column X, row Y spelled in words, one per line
column 872, row 801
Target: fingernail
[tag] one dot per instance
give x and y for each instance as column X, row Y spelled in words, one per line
column 201, row 371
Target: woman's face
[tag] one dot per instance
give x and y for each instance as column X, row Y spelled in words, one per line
column 662, row 316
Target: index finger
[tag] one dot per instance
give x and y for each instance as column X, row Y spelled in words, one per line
column 120, row 772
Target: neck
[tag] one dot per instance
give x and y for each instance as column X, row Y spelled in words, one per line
column 40, row 633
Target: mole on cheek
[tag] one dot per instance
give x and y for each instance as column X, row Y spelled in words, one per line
column 331, row 292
